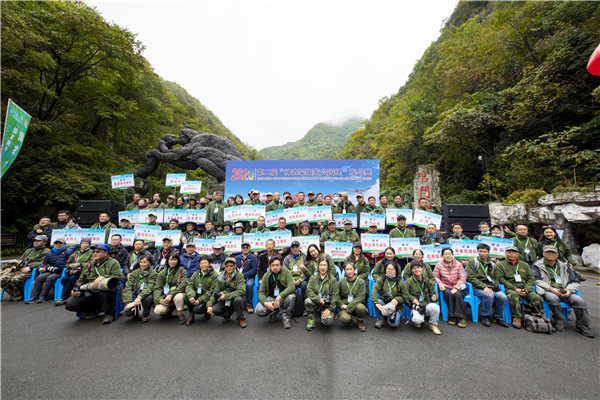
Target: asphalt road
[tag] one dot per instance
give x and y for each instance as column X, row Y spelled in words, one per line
column 48, row 354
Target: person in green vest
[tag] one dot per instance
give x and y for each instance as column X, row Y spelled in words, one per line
column 420, row 292
column 138, row 293
column 171, row 202
column 16, row 272
column 282, row 226
column 352, row 295
column 343, row 206
column 274, row 204
column 230, row 294
column 133, row 205
column 389, row 257
column 348, row 234
column 311, row 202
column 214, row 211
column 426, row 205
column 104, row 223
column 401, row 230
column 304, row 229
column 170, row 287
column 397, row 202
column 518, row 280
column 200, row 289
column 277, row 291
column 550, row 238
column 322, row 296
column 391, row 291
column 330, row 235
column 311, row 266
column 360, row 263
column 301, row 202
column 526, row 245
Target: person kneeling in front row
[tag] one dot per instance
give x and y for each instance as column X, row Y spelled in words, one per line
column 556, row 282
column 352, row 295
column 170, row 288
column 420, row 292
column 200, row 289
column 392, row 292
column 230, row 294
column 322, row 295
column 140, row 285
column 277, row 290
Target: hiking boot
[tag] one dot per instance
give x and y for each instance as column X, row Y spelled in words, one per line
column 91, row 315
column 249, row 309
column 579, row 275
column 41, row 300
column 451, row 321
column 485, row 321
column 585, row 332
column 69, row 298
column 361, row 325
column 31, row 301
column 462, row 323
column 108, row 319
column 206, row 317
column 272, row 316
column 516, row 323
column 311, row 325
column 181, row 318
column 191, row 319
column 242, row 322
column 560, row 327
column 435, row 329
column 17, row 298
column 351, row 323
column 224, row 320
column 60, row 302
column 502, row 323
column 146, row 319
column 379, row 323
column 285, row 321
column 416, row 325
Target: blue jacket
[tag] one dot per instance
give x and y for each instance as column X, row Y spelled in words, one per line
column 247, row 266
column 56, row 262
column 190, row 263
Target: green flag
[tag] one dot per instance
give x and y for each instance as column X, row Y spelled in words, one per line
column 15, row 128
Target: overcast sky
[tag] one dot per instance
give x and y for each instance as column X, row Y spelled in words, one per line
column 271, row 70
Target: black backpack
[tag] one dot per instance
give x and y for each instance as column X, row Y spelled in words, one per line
column 298, row 309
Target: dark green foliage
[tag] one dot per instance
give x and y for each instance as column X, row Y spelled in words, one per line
column 322, row 142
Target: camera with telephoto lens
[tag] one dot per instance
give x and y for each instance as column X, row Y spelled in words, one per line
column 419, row 308
column 327, row 300
column 387, row 298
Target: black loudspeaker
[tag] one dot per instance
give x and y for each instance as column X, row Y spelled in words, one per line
column 469, row 215
column 88, row 211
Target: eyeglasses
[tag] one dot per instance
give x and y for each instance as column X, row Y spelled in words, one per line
column 97, row 251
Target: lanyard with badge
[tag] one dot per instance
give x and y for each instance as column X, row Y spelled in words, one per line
column 485, row 270
column 200, row 282
column 517, row 275
column 295, row 268
column 556, row 273
column 141, row 279
column 420, row 287
column 321, row 288
column 96, row 268
column 402, row 233
column 164, row 260
column 276, row 280
column 390, row 288
column 525, row 246
column 166, row 287
column 350, row 296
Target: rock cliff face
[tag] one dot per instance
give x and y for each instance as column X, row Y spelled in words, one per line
column 562, row 210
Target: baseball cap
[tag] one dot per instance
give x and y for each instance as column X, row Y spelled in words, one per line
column 41, row 237
column 229, row 260
column 167, row 238
column 311, row 192
column 101, row 247
column 217, row 245
column 190, row 244
column 61, row 240
column 509, row 248
column 246, row 243
column 550, row 248
column 295, row 243
column 400, row 216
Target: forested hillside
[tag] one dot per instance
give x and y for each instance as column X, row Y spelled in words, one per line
column 97, row 107
column 323, row 141
column 506, row 81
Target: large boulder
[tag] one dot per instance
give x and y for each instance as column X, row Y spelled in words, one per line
column 591, row 256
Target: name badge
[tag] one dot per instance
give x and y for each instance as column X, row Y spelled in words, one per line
column 199, row 289
column 295, row 269
column 527, row 251
column 518, row 278
column 320, row 295
column 557, row 279
column 163, row 262
column 166, row 290
column 315, row 272
column 276, row 292
column 489, row 279
column 227, row 303
column 421, row 298
column 350, row 298
column 143, row 286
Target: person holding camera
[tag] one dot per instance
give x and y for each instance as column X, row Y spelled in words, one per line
column 88, row 302
column 15, row 273
column 451, row 279
column 230, row 294
column 140, row 286
column 50, row 271
column 480, row 273
column 322, row 295
column 420, row 292
column 200, row 289
column 556, row 282
column 525, row 245
column 74, row 265
column 170, row 287
column 518, row 280
column 352, row 296
column 277, row 291
column 392, row 292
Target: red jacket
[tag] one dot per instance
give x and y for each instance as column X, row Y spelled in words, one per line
column 453, row 277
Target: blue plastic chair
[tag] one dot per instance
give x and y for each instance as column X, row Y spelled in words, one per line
column 370, row 305
column 29, row 285
column 506, row 313
column 473, row 302
column 566, row 309
column 339, row 273
column 58, row 287
column 256, row 286
column 443, row 305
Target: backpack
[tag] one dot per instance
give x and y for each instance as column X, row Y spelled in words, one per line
column 535, row 321
column 298, row 308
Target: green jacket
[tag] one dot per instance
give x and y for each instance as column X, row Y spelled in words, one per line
column 286, row 279
column 107, row 227
column 309, row 203
column 327, row 286
column 339, row 209
column 290, row 262
column 385, row 285
column 235, row 287
column 342, row 236
column 426, row 271
column 362, row 267
column 478, row 277
column 209, row 285
column 299, row 205
column 564, row 252
column 79, row 259
column 109, row 268
column 379, row 269
column 405, row 233
column 358, row 289
column 413, row 289
column 34, row 256
column 529, row 243
column 135, row 281
column 453, row 235
column 264, row 229
column 273, row 206
column 131, row 206
column 311, row 267
column 327, row 236
column 251, row 203
column 174, row 277
column 215, row 216
column 505, row 275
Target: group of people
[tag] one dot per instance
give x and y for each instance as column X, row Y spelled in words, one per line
column 293, row 283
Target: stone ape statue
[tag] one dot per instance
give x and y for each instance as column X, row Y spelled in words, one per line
column 206, row 151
